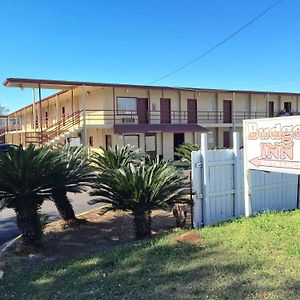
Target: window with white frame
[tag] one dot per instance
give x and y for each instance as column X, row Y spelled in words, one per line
column 132, row 140
column 126, row 105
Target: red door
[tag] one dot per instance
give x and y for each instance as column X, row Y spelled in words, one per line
column 165, row 110
column 142, row 110
column 226, row 139
column 227, row 111
column 271, row 109
column 192, row 110
column 287, row 107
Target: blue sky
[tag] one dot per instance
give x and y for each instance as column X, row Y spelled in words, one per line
column 140, row 41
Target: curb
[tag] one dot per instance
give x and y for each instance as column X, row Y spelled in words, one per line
column 88, row 211
column 8, row 244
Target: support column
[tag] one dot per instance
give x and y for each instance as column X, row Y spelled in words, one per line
column 180, row 107
column 267, row 105
column 33, row 109
column 40, row 112
column 48, row 114
column 233, row 111
column 217, row 137
column 72, row 104
column 83, row 98
column 279, row 103
column 114, row 105
column 57, row 108
column 24, row 125
column 149, row 106
column 218, row 116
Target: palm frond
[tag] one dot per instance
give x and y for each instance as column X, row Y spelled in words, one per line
column 141, row 188
column 25, row 177
column 115, row 158
column 184, row 153
column 72, row 169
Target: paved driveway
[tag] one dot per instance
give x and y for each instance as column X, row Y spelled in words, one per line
column 8, row 227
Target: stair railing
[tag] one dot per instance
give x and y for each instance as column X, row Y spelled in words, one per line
column 55, row 130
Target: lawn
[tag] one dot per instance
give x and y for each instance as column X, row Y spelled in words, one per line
column 254, row 258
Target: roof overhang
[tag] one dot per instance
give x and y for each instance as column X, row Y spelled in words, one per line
column 66, row 85
column 144, row 128
column 38, row 83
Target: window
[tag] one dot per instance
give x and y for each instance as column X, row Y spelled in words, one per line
column 150, row 142
column 126, row 106
column 132, row 140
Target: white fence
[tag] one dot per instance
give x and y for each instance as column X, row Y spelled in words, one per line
column 217, row 177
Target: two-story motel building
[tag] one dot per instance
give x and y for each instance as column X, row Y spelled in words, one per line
column 154, row 118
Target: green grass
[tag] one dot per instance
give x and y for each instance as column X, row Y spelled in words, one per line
column 254, row 258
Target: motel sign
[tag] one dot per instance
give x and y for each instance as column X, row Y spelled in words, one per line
column 273, row 144
column 270, row 145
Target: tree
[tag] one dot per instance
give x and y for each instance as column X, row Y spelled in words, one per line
column 3, row 110
column 72, row 174
column 184, row 152
column 140, row 189
column 25, row 182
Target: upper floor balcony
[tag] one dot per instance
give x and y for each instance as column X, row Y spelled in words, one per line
column 109, row 118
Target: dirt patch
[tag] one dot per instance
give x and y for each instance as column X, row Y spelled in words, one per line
column 191, row 237
column 103, row 229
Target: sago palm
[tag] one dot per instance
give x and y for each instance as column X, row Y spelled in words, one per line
column 114, row 158
column 140, row 189
column 25, row 182
column 184, row 152
column 72, row 174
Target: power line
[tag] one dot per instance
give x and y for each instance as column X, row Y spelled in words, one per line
column 218, row 45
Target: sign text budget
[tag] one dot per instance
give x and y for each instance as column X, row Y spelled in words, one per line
column 273, row 144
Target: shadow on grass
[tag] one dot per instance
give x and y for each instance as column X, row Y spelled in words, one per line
column 158, row 269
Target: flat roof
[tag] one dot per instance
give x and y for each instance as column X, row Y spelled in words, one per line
column 63, row 85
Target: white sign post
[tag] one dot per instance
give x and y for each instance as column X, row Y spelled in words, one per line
column 272, row 145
